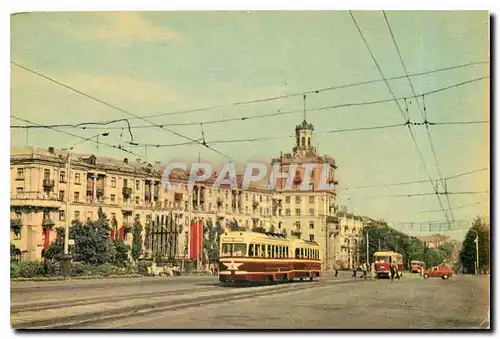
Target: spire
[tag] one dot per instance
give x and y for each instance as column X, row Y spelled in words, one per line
column 305, row 107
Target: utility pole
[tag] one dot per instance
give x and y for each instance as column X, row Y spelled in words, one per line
column 367, row 248
column 476, row 241
column 66, row 258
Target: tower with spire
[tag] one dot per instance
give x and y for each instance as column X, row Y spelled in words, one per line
column 304, row 136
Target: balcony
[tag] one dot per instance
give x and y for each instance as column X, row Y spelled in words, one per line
column 332, row 219
column 127, row 191
column 36, row 199
column 48, row 184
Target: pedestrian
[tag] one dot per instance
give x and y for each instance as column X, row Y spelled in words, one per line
column 336, row 268
column 373, row 270
column 393, row 271
column 354, row 272
column 364, row 269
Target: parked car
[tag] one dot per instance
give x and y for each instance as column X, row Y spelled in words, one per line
column 443, row 272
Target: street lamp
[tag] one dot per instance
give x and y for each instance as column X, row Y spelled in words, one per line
column 66, row 258
column 476, row 241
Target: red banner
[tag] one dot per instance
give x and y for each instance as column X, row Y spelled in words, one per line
column 196, row 240
column 112, row 235
column 46, row 239
column 121, row 233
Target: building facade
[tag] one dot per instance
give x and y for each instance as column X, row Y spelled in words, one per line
column 43, row 182
column 309, row 214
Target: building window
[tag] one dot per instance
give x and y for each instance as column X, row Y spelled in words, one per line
column 246, row 209
column 77, row 215
column 61, row 195
column 260, row 198
column 226, row 194
column 20, row 173
column 287, row 212
column 77, row 178
column 137, row 185
column 62, row 176
column 62, row 215
column 311, row 199
column 77, row 196
column 297, row 211
column 138, row 217
column 209, row 192
column 246, row 196
column 311, row 211
column 113, row 182
column 19, row 190
column 209, row 206
column 311, row 224
column 137, row 200
column 113, row 198
column 287, row 200
column 311, row 237
column 125, row 183
column 46, row 174
column 297, row 225
column 297, row 199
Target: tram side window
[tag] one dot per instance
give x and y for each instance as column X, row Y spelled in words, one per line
column 269, row 251
column 302, row 253
column 297, row 253
column 251, row 252
column 286, row 251
column 263, row 251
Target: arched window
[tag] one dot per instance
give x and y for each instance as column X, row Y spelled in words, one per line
column 303, row 141
column 309, row 141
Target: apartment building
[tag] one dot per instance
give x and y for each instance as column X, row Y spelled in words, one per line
column 126, row 190
column 309, row 214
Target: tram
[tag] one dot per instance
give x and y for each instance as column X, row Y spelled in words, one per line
column 383, row 261
column 267, row 258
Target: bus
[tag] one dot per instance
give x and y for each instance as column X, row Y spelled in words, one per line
column 383, row 261
column 267, row 258
column 416, row 266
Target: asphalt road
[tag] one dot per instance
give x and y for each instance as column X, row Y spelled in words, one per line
column 196, row 303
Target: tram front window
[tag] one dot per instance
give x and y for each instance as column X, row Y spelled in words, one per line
column 383, row 259
column 237, row 250
column 240, row 250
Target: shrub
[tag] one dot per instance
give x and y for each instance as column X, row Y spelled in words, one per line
column 14, row 269
column 78, row 268
column 142, row 267
column 29, row 269
column 107, row 269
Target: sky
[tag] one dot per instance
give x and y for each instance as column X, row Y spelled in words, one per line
column 149, row 63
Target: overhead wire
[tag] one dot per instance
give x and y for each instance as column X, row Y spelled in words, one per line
column 116, row 107
column 401, row 111
column 267, row 115
column 422, row 113
column 119, row 147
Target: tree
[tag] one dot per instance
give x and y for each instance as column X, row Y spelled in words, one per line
column 121, row 252
column 56, row 249
column 92, row 241
column 137, row 241
column 468, row 252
